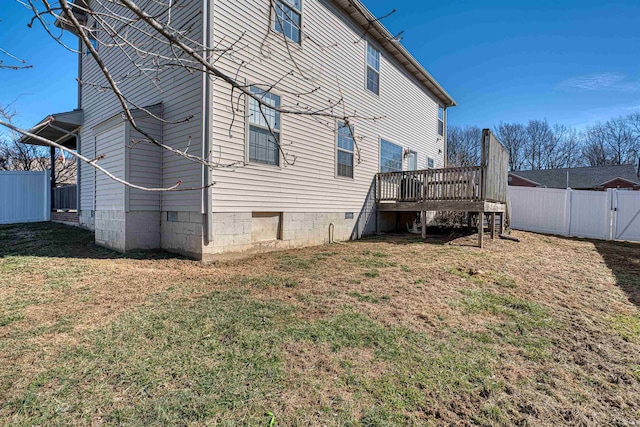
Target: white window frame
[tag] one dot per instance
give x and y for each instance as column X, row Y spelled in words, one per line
column 250, row 124
column 381, row 139
column 372, row 68
column 431, row 163
column 441, row 120
column 340, row 124
column 298, row 12
column 414, row 154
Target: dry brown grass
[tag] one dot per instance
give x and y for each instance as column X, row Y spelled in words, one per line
column 548, row 327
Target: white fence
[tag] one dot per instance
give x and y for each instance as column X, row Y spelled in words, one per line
column 611, row 214
column 24, row 197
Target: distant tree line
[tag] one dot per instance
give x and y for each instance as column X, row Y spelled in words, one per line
column 539, row 145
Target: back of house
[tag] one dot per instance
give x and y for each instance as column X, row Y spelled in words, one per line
column 348, row 101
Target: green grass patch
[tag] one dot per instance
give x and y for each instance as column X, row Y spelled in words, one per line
column 522, row 324
column 292, row 263
column 270, row 282
column 372, row 274
column 627, row 326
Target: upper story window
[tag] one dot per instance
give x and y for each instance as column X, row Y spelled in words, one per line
column 390, row 156
column 373, row 69
column 264, row 128
column 440, row 120
column 344, row 150
column 288, row 19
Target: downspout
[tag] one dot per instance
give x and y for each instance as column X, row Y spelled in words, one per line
column 444, row 137
column 207, row 194
column 78, row 166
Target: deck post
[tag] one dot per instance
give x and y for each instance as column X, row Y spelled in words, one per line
column 480, row 229
column 423, row 214
column 378, row 215
column 492, row 227
column 501, row 229
column 469, row 220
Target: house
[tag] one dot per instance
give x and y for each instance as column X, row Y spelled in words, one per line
column 268, row 201
column 583, row 178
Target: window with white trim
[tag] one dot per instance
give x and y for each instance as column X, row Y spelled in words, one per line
column 344, row 150
column 440, row 120
column 373, row 69
column 390, row 156
column 430, row 163
column 264, row 127
column 288, row 19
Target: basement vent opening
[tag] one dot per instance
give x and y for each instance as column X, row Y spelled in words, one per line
column 172, row 216
column 348, row 215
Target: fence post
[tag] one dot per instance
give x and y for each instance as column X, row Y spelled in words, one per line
column 47, row 195
column 612, row 200
column 567, row 213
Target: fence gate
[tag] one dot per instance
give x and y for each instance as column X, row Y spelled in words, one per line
column 612, row 214
column 24, row 197
column 626, row 217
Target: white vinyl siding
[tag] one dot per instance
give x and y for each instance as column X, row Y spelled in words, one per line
column 288, row 19
column 308, row 184
column 110, row 144
column 390, row 156
column 373, row 69
column 344, row 150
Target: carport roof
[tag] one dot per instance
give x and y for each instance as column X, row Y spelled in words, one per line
column 59, row 128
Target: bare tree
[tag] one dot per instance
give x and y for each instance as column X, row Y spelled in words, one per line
column 463, row 145
column 539, row 143
column 146, row 35
column 594, row 149
column 514, row 137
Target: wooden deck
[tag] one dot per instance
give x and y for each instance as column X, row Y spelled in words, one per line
column 478, row 190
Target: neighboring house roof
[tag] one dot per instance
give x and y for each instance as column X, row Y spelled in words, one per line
column 586, row 177
column 359, row 13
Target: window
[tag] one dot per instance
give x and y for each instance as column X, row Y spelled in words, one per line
column 390, row 157
column 430, row 163
column 288, row 19
column 264, row 128
column 373, row 69
column 344, row 154
column 440, row 120
column 413, row 161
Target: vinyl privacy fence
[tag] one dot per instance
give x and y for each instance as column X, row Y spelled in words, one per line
column 607, row 215
column 24, row 197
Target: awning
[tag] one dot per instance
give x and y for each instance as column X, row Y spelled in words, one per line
column 60, row 128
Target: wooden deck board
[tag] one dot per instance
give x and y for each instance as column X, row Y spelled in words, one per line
column 442, row 205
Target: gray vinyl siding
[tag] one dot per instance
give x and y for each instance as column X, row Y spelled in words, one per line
column 110, row 193
column 179, row 91
column 145, row 167
column 408, row 112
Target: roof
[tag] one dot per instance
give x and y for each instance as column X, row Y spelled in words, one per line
column 59, row 128
column 359, row 13
column 585, row 177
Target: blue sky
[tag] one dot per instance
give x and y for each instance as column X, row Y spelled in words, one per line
column 570, row 61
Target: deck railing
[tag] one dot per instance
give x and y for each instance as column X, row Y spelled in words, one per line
column 472, row 183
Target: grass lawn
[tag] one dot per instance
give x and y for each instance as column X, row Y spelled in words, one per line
column 381, row 332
